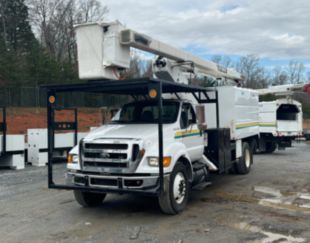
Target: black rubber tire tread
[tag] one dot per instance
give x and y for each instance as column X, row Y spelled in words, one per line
column 233, row 169
column 164, row 201
column 241, row 165
column 254, row 146
column 167, row 203
column 88, row 199
column 270, row 147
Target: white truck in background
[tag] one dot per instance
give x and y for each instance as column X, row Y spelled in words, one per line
column 306, row 129
column 197, row 138
column 280, row 122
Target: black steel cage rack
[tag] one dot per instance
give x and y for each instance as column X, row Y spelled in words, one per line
column 133, row 88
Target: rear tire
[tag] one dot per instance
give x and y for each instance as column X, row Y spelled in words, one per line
column 243, row 166
column 89, row 199
column 271, row 147
column 175, row 197
column 254, row 146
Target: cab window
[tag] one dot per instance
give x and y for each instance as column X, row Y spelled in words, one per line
column 188, row 116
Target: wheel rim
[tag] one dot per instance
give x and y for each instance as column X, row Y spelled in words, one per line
column 179, row 187
column 247, row 158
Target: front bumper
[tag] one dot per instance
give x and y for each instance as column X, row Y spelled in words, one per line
column 114, row 183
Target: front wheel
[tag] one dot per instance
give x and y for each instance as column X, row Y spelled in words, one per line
column 174, row 199
column 89, row 199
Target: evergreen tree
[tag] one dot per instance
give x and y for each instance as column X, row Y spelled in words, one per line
column 23, row 61
column 16, row 40
column 15, row 27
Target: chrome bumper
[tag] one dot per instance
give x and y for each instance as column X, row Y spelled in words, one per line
column 110, row 182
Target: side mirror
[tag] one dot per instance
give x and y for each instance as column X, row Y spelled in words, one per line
column 200, row 113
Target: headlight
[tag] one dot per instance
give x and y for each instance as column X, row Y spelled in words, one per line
column 154, row 161
column 72, row 158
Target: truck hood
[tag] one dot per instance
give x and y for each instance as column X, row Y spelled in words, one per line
column 138, row 131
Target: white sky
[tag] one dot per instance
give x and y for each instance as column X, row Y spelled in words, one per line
column 272, row 29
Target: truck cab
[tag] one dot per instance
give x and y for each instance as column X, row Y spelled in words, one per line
column 124, row 152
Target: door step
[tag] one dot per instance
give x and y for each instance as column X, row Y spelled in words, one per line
column 201, row 186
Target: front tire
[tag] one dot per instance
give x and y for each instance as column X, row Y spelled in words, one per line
column 243, row 166
column 174, row 199
column 89, row 199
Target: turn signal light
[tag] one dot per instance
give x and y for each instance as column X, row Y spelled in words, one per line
column 154, row 161
column 166, row 161
column 69, row 158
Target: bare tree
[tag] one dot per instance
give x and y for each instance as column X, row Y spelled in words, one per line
column 90, row 11
column 255, row 76
column 224, row 61
column 53, row 22
column 279, row 76
column 148, row 70
column 134, row 70
column 295, row 71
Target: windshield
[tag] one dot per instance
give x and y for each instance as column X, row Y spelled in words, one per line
column 147, row 112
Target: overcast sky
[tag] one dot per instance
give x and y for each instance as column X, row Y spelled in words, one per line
column 275, row 30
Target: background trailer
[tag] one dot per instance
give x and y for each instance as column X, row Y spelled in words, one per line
column 12, row 147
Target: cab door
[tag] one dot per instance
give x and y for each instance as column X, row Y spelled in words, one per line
column 190, row 134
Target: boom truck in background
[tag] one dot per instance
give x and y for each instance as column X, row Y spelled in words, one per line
column 280, row 120
column 164, row 142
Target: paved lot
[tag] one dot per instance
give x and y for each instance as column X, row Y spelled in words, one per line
column 271, row 204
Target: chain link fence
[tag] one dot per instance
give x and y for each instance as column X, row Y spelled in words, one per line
column 35, row 97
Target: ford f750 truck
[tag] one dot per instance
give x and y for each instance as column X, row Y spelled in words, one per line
column 169, row 137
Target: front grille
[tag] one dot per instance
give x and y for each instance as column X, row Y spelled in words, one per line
column 106, row 146
column 106, row 155
column 106, row 164
column 109, row 155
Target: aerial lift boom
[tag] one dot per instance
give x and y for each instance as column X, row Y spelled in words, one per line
column 286, row 89
column 115, row 41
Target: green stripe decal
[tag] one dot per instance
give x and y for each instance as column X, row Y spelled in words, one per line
column 246, row 125
column 254, row 124
column 267, row 124
column 186, row 135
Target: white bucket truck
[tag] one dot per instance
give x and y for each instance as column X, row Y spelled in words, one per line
column 170, row 137
column 280, row 120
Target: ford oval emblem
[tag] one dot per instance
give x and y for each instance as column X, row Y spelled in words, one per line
column 104, row 155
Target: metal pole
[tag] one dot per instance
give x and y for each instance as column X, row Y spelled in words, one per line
column 76, row 127
column 50, row 136
column 160, row 138
column 217, row 110
column 4, row 129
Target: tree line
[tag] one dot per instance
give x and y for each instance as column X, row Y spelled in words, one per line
column 258, row 76
column 37, row 46
column 37, row 43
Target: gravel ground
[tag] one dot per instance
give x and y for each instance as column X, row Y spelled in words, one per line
column 271, row 204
